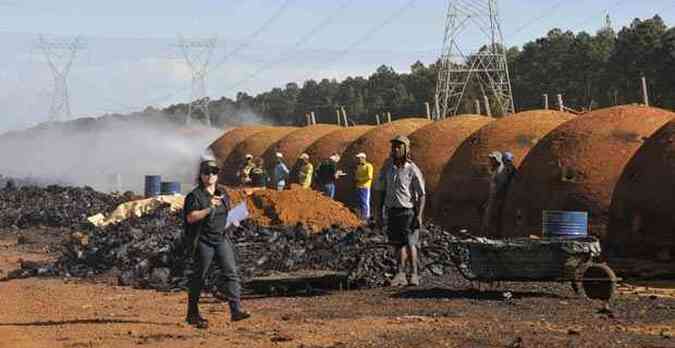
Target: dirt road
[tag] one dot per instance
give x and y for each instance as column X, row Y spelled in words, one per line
column 53, row 313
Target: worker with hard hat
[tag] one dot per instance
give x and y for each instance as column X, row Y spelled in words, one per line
column 400, row 195
column 281, row 172
column 305, row 172
column 327, row 173
column 258, row 174
column 502, row 171
column 244, row 172
column 363, row 180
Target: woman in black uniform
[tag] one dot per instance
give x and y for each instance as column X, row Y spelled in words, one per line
column 205, row 215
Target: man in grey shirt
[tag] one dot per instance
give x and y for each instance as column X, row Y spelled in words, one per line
column 401, row 196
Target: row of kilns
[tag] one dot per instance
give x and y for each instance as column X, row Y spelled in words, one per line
column 617, row 164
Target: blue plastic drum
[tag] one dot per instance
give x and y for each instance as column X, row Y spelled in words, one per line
column 565, row 224
column 152, row 185
column 170, row 187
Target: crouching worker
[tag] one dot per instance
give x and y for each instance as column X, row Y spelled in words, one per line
column 205, row 214
column 400, row 195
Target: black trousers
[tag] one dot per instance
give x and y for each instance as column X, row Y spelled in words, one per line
column 223, row 254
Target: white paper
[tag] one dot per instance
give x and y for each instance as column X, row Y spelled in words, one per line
column 236, row 215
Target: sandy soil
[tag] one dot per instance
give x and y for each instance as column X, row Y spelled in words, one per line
column 52, row 313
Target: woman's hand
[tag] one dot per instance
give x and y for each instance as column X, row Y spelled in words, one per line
column 216, row 201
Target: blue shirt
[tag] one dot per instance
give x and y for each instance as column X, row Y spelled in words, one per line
column 280, row 173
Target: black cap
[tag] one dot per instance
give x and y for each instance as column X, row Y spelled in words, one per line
column 208, row 164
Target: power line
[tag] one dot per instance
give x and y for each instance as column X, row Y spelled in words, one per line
column 277, row 13
column 363, row 38
column 606, row 10
column 303, row 39
column 255, row 34
column 545, row 14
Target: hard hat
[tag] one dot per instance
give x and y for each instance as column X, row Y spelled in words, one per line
column 401, row 139
column 361, row 155
column 507, row 156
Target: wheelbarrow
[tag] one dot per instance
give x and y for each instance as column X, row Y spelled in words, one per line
column 536, row 260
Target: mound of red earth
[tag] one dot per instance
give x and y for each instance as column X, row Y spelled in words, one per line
column 256, row 145
column 577, row 165
column 230, row 139
column 641, row 221
column 375, row 144
column 295, row 143
column 464, row 184
column 433, row 146
column 295, row 206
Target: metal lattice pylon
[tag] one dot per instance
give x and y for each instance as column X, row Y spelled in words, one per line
column 486, row 64
column 197, row 54
column 60, row 55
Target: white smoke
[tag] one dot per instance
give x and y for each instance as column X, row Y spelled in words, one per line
column 108, row 154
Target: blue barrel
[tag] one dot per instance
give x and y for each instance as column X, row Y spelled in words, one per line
column 565, row 224
column 170, row 187
column 152, row 185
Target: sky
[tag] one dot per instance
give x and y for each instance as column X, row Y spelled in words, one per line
column 131, row 59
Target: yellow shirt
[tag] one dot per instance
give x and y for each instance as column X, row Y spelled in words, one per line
column 364, row 175
column 305, row 175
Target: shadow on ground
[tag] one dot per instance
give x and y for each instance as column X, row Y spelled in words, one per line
column 472, row 294
column 85, row 321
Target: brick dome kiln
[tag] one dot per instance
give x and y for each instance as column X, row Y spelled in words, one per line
column 464, row 183
column 577, row 166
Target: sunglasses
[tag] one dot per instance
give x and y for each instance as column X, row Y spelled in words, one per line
column 210, row 171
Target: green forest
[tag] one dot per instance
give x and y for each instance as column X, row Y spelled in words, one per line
column 590, row 71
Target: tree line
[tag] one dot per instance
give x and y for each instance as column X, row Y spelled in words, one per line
column 590, row 71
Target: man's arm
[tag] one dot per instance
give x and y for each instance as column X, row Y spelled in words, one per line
column 420, row 193
column 379, row 197
column 380, row 188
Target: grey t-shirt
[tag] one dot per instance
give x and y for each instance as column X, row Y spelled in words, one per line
column 402, row 185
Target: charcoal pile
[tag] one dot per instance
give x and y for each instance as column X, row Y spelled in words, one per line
column 148, row 252
column 13, row 182
column 53, row 206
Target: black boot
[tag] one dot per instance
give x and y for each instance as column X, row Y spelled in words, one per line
column 236, row 313
column 241, row 315
column 193, row 318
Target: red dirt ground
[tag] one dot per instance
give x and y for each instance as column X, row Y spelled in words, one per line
column 296, row 206
column 71, row 313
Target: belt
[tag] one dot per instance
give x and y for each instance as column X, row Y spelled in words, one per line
column 399, row 208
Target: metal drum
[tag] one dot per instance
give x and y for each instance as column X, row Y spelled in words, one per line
column 170, row 187
column 565, row 224
column 152, row 185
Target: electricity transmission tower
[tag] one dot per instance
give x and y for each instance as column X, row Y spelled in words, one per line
column 476, row 21
column 60, row 55
column 197, row 54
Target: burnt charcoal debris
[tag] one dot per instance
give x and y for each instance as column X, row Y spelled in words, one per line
column 52, row 206
column 148, row 252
